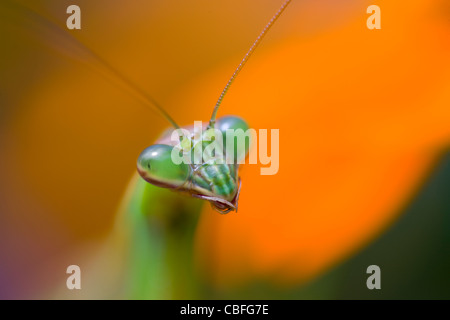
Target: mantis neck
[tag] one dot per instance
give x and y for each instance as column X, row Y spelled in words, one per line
column 161, row 226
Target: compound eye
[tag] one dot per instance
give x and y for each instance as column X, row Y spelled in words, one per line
column 240, row 138
column 155, row 166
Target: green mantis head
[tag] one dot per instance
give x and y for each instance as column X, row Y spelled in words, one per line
column 216, row 182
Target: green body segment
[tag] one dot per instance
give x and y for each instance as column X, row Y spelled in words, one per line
column 159, row 252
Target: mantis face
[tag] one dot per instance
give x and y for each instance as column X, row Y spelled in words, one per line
column 212, row 180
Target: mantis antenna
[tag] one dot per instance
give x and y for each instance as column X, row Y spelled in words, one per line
column 73, row 47
column 244, row 60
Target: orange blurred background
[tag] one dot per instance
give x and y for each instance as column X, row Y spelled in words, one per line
column 363, row 116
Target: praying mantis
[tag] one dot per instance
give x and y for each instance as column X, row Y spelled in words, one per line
column 152, row 240
column 217, row 183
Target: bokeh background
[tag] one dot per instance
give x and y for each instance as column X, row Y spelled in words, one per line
column 364, row 119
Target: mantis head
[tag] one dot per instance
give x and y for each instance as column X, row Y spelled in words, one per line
column 210, row 180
